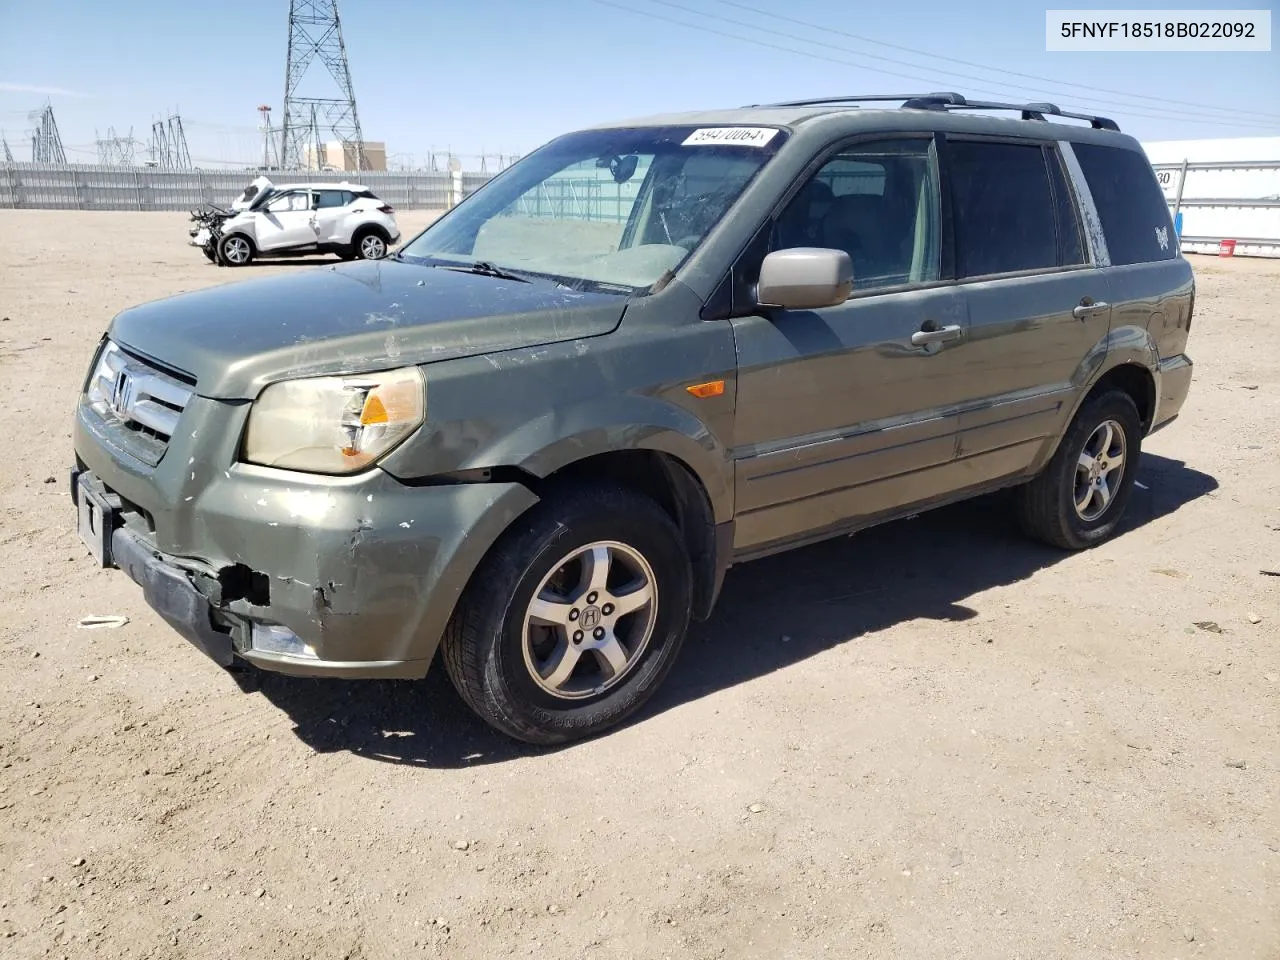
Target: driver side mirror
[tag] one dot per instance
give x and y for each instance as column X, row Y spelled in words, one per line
column 805, row 278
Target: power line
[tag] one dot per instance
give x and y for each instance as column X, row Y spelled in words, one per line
column 1154, row 113
column 968, row 63
column 852, row 63
column 1159, row 112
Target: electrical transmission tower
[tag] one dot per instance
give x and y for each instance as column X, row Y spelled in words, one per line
column 315, row 33
column 270, row 153
column 46, row 143
column 114, row 151
column 169, row 144
column 8, row 154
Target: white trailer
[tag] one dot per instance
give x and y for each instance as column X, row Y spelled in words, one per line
column 1223, row 193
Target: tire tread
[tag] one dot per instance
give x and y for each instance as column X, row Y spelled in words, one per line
column 468, row 635
column 1038, row 503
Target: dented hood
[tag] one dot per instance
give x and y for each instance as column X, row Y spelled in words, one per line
column 357, row 317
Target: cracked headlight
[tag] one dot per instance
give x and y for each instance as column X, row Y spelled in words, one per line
column 335, row 425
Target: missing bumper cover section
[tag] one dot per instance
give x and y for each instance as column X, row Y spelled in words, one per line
column 239, row 582
column 170, row 593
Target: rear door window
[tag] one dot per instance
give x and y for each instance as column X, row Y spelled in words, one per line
column 1131, row 206
column 333, row 198
column 1003, row 208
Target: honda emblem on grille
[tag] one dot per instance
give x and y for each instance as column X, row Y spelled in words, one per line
column 122, row 395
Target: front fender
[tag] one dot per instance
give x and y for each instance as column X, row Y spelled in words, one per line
column 557, row 439
column 537, row 410
column 241, row 229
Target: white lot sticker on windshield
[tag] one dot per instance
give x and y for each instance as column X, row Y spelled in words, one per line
column 736, row 136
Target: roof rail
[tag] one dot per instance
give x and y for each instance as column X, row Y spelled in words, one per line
column 954, row 101
column 864, row 98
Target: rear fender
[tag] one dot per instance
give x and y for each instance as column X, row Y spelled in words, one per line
column 1129, row 345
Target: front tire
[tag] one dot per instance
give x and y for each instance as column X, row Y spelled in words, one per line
column 1079, row 499
column 235, row 250
column 574, row 618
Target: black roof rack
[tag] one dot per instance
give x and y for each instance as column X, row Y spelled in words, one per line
column 954, row 101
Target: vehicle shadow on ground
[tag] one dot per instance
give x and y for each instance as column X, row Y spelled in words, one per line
column 320, row 260
column 816, row 597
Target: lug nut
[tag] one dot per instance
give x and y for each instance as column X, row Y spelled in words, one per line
column 607, row 609
column 591, row 597
column 573, row 614
column 577, row 636
column 599, row 633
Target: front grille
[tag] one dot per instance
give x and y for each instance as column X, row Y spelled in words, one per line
column 138, row 402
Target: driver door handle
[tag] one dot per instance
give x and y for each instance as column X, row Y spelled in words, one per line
column 940, row 335
column 1090, row 309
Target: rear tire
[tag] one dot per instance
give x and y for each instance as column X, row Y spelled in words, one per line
column 1078, row 500
column 555, row 639
column 370, row 245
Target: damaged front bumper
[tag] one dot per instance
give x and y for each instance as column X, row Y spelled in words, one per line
column 304, row 575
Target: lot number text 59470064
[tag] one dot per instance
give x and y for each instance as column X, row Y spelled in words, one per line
column 1137, row 30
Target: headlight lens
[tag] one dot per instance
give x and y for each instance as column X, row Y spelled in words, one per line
column 335, row 425
column 102, row 379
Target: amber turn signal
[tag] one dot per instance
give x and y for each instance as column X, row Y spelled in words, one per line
column 712, row 388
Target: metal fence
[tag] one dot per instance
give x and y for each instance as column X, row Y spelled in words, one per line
column 1212, row 202
column 578, row 198
column 88, row 187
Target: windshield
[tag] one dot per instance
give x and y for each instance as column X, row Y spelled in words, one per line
column 603, row 208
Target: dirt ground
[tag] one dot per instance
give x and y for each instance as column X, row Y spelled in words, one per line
column 931, row 740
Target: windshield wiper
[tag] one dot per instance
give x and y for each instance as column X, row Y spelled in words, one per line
column 485, row 269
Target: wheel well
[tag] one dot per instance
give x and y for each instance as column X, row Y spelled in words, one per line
column 671, row 484
column 366, row 228
column 1134, row 380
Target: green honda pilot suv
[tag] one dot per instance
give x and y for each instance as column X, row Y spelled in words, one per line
column 534, row 439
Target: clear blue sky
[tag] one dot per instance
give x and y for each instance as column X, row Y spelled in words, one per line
column 506, row 75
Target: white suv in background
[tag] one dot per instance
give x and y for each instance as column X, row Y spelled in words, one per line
column 305, row 218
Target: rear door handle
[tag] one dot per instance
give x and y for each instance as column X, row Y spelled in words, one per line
column 1090, row 309
column 941, row 335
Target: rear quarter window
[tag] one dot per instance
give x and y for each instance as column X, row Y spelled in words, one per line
column 1134, row 215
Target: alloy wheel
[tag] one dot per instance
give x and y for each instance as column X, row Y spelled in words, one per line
column 1099, row 470
column 590, row 620
column 236, row 250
